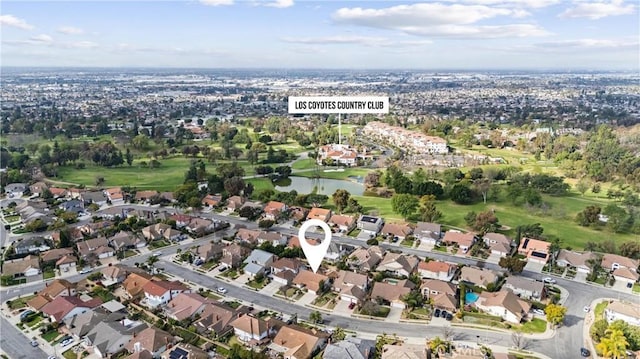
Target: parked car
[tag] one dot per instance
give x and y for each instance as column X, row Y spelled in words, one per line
column 549, row 280
column 585, row 352
column 436, row 313
column 25, row 314
column 586, row 309
column 223, row 269
column 449, row 317
column 538, row 311
column 352, row 305
column 222, row 290
column 85, row 270
column 34, row 343
column 66, row 342
column 629, row 285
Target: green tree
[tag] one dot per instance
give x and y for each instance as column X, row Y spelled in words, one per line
column 613, row 345
column 461, row 194
column 341, row 199
column 428, row 210
column 129, row 157
column 413, row 299
column 512, row 264
column 404, row 204
column 338, row 334
column 555, row 314
column 315, row 317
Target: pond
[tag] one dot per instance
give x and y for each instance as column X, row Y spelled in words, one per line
column 325, row 186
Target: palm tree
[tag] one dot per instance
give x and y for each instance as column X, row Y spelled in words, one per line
column 439, row 345
column 614, row 345
column 151, row 261
column 413, row 299
column 338, row 334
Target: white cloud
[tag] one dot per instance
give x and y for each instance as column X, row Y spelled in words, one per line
column 70, row 30
column 10, row 20
column 355, row 40
column 36, row 40
column 280, row 4
column 440, row 20
column 216, row 2
column 533, row 4
column 575, row 46
column 599, row 9
column 79, row 45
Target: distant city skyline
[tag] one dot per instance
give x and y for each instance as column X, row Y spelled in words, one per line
column 444, row 34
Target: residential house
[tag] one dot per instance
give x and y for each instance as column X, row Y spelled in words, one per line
column 627, row 312
column 274, row 210
column 38, row 187
column 126, row 240
column 298, row 213
column 437, row 270
column 275, row 238
column 498, row 243
column 336, row 251
column 397, row 351
column 216, row 318
column 525, row 288
column 464, row 241
column 98, row 247
column 233, row 255
column 181, row 351
column 134, row 284
column 342, row 223
column 31, row 245
column 625, row 275
column 52, row 255
column 160, row 231
column 58, row 192
column 429, row 233
column 251, row 329
column 432, row 287
column 577, row 260
column 95, row 228
column 248, row 236
column 113, row 306
column 28, row 266
column 259, row 262
column 116, row 274
column 115, row 195
column 200, row 225
column 208, row 251
column 145, row 196
column 503, row 304
column 53, row 290
column 319, row 213
column 445, row 301
column 109, row 337
column 366, row 259
column 211, row 200
column 351, row 286
column 399, row 264
column 313, row 282
column 64, row 307
column 370, row 225
column 73, row 205
column 15, row 190
column 480, row 277
column 295, row 342
column 151, row 339
column 97, row 197
column 234, row 203
column 80, row 325
column 287, row 264
column 351, row 348
column 160, row 292
column 185, row 306
column 392, row 292
column 398, row 231
column 67, row 263
column 611, row 262
column 534, row 249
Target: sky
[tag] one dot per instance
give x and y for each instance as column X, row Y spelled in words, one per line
column 442, row 34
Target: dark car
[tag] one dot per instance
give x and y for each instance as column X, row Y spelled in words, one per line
column 629, row 285
column 585, row 352
column 352, row 305
column 436, row 313
column 444, row 314
column 449, row 316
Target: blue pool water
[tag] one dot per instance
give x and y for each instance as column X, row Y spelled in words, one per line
column 470, row 298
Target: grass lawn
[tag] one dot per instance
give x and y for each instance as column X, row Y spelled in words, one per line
column 49, row 274
column 211, row 295
column 304, row 164
column 636, row 288
column 130, row 253
column 535, row 325
column 407, row 243
column 260, row 184
column 341, row 175
column 354, row 233
column 50, row 336
column 103, row 294
column 20, row 302
column 35, row 321
column 231, row 273
column 257, row 285
column 69, row 354
column 158, row 244
column 208, row 265
column 598, row 312
column 234, row 304
column 11, row 219
column 324, row 299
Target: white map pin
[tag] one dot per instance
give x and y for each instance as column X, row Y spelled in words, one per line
column 314, row 254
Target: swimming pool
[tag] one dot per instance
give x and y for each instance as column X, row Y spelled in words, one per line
column 470, row 298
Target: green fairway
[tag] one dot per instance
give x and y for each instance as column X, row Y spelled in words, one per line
column 342, row 175
column 260, row 184
column 304, row 164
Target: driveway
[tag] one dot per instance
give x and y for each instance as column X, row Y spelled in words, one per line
column 621, row 286
column 494, row 258
column 342, row 308
column 580, row 277
column 243, row 279
column 534, row 266
column 271, row 288
column 394, row 315
column 307, row 298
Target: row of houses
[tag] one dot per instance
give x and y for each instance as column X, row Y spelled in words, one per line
column 411, row 141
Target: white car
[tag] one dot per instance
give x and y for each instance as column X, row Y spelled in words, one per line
column 222, row 290
column 538, row 311
column 66, row 342
column 85, row 270
column 549, row 280
column 587, row 309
